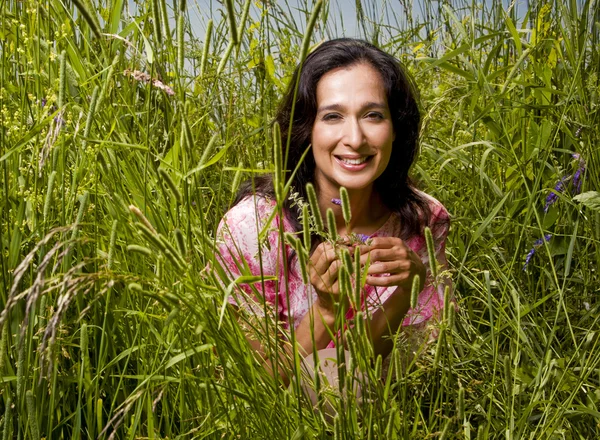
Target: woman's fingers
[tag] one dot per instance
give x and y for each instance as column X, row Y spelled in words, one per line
column 392, row 280
column 324, row 268
column 322, row 257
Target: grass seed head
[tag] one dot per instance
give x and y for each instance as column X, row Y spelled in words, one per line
column 345, row 205
column 314, row 207
column 431, row 252
column 331, row 225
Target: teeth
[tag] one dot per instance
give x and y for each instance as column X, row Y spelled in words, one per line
column 353, row 161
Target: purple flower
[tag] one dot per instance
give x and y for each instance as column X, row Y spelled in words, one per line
column 541, row 241
column 553, row 196
column 337, row 202
column 44, row 102
column 363, row 237
column 536, row 244
column 577, row 177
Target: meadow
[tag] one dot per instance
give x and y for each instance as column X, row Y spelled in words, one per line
column 124, row 135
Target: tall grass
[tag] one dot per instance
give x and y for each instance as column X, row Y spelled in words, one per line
column 124, row 138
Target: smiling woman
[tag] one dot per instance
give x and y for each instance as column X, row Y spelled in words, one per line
column 356, row 107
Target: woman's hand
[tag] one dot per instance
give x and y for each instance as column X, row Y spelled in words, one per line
column 392, row 263
column 323, row 268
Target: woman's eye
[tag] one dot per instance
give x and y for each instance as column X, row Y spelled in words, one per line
column 331, row 117
column 374, row 115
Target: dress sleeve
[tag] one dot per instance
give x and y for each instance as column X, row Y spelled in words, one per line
column 431, row 299
column 240, row 251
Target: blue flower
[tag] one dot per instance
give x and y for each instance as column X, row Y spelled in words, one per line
column 337, row 202
column 363, row 237
column 578, row 176
column 553, row 196
column 536, row 244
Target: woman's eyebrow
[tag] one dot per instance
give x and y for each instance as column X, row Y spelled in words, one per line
column 369, row 105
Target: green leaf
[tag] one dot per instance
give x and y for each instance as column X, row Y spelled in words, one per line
column 591, row 199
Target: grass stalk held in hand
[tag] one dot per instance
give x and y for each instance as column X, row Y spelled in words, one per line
column 306, row 227
column 32, row 420
column 344, row 281
column 303, row 260
column 331, row 225
column 431, row 253
column 314, row 207
column 347, row 260
column 345, row 206
column 357, row 278
column 206, row 48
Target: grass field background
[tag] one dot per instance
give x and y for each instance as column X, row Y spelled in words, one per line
column 123, row 140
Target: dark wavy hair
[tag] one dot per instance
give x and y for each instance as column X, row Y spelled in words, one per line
column 394, row 186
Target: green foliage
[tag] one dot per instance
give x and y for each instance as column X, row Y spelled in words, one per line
column 123, row 141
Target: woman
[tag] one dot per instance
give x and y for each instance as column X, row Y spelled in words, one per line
column 356, row 109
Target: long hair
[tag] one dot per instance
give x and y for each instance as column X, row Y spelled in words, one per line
column 394, row 186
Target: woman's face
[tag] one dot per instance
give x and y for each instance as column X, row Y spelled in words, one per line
column 353, row 133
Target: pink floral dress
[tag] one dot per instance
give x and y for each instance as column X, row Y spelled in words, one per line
column 244, row 252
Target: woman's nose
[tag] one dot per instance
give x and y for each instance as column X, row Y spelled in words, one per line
column 354, row 135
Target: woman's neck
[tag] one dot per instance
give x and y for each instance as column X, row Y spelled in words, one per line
column 368, row 213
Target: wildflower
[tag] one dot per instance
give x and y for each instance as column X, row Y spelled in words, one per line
column 159, row 85
column 553, row 196
column 576, row 180
column 577, row 177
column 363, row 237
column 337, row 202
column 145, row 78
column 536, row 244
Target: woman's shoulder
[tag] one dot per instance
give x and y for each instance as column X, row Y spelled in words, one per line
column 438, row 212
column 248, row 209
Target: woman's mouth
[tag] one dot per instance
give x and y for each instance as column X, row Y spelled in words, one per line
column 353, row 163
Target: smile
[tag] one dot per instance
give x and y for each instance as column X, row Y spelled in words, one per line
column 353, row 163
